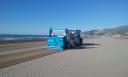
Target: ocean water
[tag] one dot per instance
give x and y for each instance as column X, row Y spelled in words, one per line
column 6, row 37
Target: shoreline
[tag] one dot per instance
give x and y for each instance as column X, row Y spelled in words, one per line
column 19, row 41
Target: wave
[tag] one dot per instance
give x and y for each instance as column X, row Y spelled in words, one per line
column 7, row 37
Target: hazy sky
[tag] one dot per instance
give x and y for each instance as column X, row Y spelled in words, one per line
column 36, row 16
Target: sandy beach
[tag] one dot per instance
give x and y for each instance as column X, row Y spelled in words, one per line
column 15, row 52
column 98, row 57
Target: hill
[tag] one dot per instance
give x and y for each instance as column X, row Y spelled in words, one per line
column 110, row 31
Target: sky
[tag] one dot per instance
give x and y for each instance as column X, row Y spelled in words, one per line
column 37, row 16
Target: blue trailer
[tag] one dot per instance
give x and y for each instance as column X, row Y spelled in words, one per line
column 60, row 39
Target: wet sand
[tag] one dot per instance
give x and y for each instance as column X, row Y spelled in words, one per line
column 14, row 53
column 99, row 57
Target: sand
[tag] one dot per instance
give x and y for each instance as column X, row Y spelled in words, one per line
column 99, row 57
column 18, row 52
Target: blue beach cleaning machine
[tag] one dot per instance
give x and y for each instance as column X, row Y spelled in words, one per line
column 60, row 39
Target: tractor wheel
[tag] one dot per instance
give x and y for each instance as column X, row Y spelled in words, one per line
column 81, row 41
column 67, row 45
column 78, row 42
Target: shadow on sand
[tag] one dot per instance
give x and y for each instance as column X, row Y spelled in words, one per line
column 89, row 44
column 86, row 46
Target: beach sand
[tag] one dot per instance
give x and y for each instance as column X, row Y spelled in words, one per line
column 12, row 53
column 99, row 57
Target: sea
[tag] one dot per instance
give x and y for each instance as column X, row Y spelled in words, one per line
column 9, row 37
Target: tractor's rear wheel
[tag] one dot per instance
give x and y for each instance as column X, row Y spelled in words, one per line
column 78, row 41
column 81, row 41
column 67, row 45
